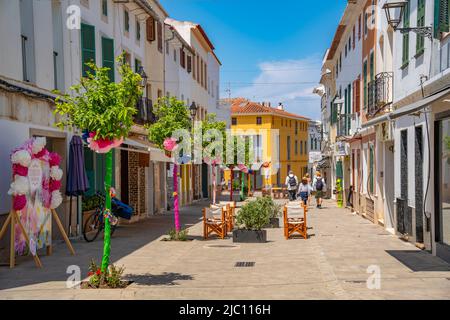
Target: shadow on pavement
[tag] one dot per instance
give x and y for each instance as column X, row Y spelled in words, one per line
column 418, row 261
column 165, row 279
column 126, row 240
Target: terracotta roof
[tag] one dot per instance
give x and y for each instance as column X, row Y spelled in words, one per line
column 243, row 106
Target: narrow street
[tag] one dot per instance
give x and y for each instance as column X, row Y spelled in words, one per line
column 331, row 264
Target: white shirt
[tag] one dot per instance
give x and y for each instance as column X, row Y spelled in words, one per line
column 289, row 187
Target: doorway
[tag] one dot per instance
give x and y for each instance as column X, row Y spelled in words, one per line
column 419, row 184
column 389, row 192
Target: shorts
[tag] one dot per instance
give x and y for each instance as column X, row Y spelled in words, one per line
column 319, row 194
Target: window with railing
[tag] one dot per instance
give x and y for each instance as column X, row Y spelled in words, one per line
column 379, row 92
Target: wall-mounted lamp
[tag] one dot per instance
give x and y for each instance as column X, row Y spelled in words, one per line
column 394, row 11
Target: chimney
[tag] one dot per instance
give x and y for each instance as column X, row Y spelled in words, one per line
column 280, row 106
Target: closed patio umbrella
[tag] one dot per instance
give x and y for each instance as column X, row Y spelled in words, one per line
column 77, row 181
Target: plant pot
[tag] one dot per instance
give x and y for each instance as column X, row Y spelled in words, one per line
column 249, row 236
column 273, row 223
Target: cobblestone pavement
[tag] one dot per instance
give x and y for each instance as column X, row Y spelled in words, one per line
column 331, row 264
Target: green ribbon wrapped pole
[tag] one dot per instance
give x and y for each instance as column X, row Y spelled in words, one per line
column 107, row 237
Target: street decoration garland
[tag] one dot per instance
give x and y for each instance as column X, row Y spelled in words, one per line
column 35, row 191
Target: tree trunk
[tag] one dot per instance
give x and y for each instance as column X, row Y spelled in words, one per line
column 107, row 232
column 214, row 183
column 175, row 198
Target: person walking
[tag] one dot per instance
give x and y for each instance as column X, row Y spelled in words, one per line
column 304, row 190
column 320, row 187
column 308, row 178
column 292, row 185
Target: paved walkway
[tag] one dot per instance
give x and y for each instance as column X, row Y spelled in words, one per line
column 331, row 264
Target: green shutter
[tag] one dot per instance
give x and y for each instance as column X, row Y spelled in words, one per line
column 108, row 56
column 339, row 169
column 372, row 67
column 420, row 43
column 365, row 84
column 371, row 156
column 405, row 45
column 105, row 7
column 441, row 17
column 87, row 47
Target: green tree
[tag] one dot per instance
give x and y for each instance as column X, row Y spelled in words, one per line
column 106, row 108
column 172, row 115
column 209, row 126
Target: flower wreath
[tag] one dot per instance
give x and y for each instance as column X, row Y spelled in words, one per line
column 21, row 159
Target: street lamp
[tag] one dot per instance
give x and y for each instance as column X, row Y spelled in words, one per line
column 394, row 11
column 193, row 110
column 143, row 75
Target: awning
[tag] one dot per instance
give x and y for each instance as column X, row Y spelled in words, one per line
column 138, row 146
column 324, row 163
column 414, row 107
column 158, row 155
column 141, row 146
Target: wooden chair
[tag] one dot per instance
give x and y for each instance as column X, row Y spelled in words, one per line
column 231, row 209
column 294, row 216
column 213, row 224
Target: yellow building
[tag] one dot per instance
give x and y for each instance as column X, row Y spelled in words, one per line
column 280, row 138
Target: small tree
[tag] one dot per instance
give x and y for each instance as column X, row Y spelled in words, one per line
column 105, row 109
column 210, row 126
column 172, row 115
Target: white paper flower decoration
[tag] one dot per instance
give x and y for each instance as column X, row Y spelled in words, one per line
column 56, row 199
column 38, row 144
column 21, row 157
column 19, row 186
column 56, row 173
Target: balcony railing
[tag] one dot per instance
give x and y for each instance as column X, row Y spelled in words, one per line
column 144, row 113
column 379, row 93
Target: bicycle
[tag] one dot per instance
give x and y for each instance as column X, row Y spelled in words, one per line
column 95, row 222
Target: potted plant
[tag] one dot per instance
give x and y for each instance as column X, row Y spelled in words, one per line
column 274, row 209
column 250, row 220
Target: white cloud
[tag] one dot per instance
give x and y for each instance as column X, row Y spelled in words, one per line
column 290, row 82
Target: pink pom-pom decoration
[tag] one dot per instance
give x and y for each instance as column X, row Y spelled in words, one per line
column 243, row 168
column 41, row 154
column 55, row 159
column 19, row 202
column 55, row 185
column 103, row 145
column 20, row 170
column 170, row 144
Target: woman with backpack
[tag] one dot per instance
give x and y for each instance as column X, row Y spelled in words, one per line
column 304, row 190
column 320, row 187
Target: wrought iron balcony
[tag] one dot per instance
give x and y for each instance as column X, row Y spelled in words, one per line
column 380, row 93
column 144, row 113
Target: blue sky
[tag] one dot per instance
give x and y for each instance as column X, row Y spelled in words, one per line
column 270, row 51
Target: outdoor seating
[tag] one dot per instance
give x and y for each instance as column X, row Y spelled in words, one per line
column 231, row 208
column 294, row 217
column 213, row 224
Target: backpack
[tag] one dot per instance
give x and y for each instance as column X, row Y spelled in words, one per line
column 319, row 184
column 292, row 181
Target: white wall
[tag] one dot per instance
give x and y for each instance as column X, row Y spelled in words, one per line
column 10, row 54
